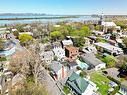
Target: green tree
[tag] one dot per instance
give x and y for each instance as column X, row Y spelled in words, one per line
column 125, row 41
column 85, row 31
column 25, row 39
column 16, row 33
column 20, row 27
column 98, row 27
column 110, row 61
column 1, row 44
column 79, row 41
column 121, row 24
column 56, row 35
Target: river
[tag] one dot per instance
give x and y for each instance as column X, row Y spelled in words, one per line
column 78, row 19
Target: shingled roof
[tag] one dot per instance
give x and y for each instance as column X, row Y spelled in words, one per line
column 78, row 83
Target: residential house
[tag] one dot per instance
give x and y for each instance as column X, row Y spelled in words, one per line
column 8, row 49
column 67, row 43
column 80, row 86
column 3, row 33
column 59, row 53
column 28, row 33
column 123, row 34
column 123, row 89
column 106, row 47
column 89, row 49
column 71, row 53
column 92, row 39
column 98, row 32
column 93, row 62
column 47, row 56
column 56, row 44
column 58, row 70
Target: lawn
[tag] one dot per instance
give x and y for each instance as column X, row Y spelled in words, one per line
column 101, row 81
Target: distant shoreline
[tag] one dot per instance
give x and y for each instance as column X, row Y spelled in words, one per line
column 26, row 18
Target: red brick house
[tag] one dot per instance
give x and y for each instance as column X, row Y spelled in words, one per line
column 71, row 53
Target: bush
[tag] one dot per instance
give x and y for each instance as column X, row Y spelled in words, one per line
column 116, row 89
column 83, row 74
column 110, row 61
column 3, row 59
column 66, row 90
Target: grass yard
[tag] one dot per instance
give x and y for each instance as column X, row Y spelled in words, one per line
column 101, row 81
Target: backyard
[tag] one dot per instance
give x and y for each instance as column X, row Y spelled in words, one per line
column 101, row 81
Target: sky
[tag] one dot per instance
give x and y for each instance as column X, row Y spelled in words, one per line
column 64, row 7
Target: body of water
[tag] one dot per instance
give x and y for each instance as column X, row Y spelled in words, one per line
column 78, row 19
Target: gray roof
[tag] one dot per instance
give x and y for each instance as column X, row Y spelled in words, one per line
column 91, row 59
column 2, row 80
column 18, row 78
column 56, row 66
column 47, row 55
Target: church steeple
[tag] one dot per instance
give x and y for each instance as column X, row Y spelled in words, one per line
column 101, row 18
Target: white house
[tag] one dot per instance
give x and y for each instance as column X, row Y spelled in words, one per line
column 108, row 24
column 89, row 49
column 66, row 43
column 98, row 32
column 59, row 52
column 47, row 56
column 109, row 48
column 28, row 33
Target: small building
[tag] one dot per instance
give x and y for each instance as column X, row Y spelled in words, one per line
column 67, row 43
column 82, row 65
column 123, row 89
column 8, row 49
column 28, row 33
column 98, row 32
column 47, row 56
column 59, row 53
column 93, row 62
column 81, row 86
column 58, row 70
column 108, row 24
column 3, row 33
column 106, row 47
column 71, row 53
column 89, row 49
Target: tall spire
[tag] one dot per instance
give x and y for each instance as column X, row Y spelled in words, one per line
column 102, row 17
